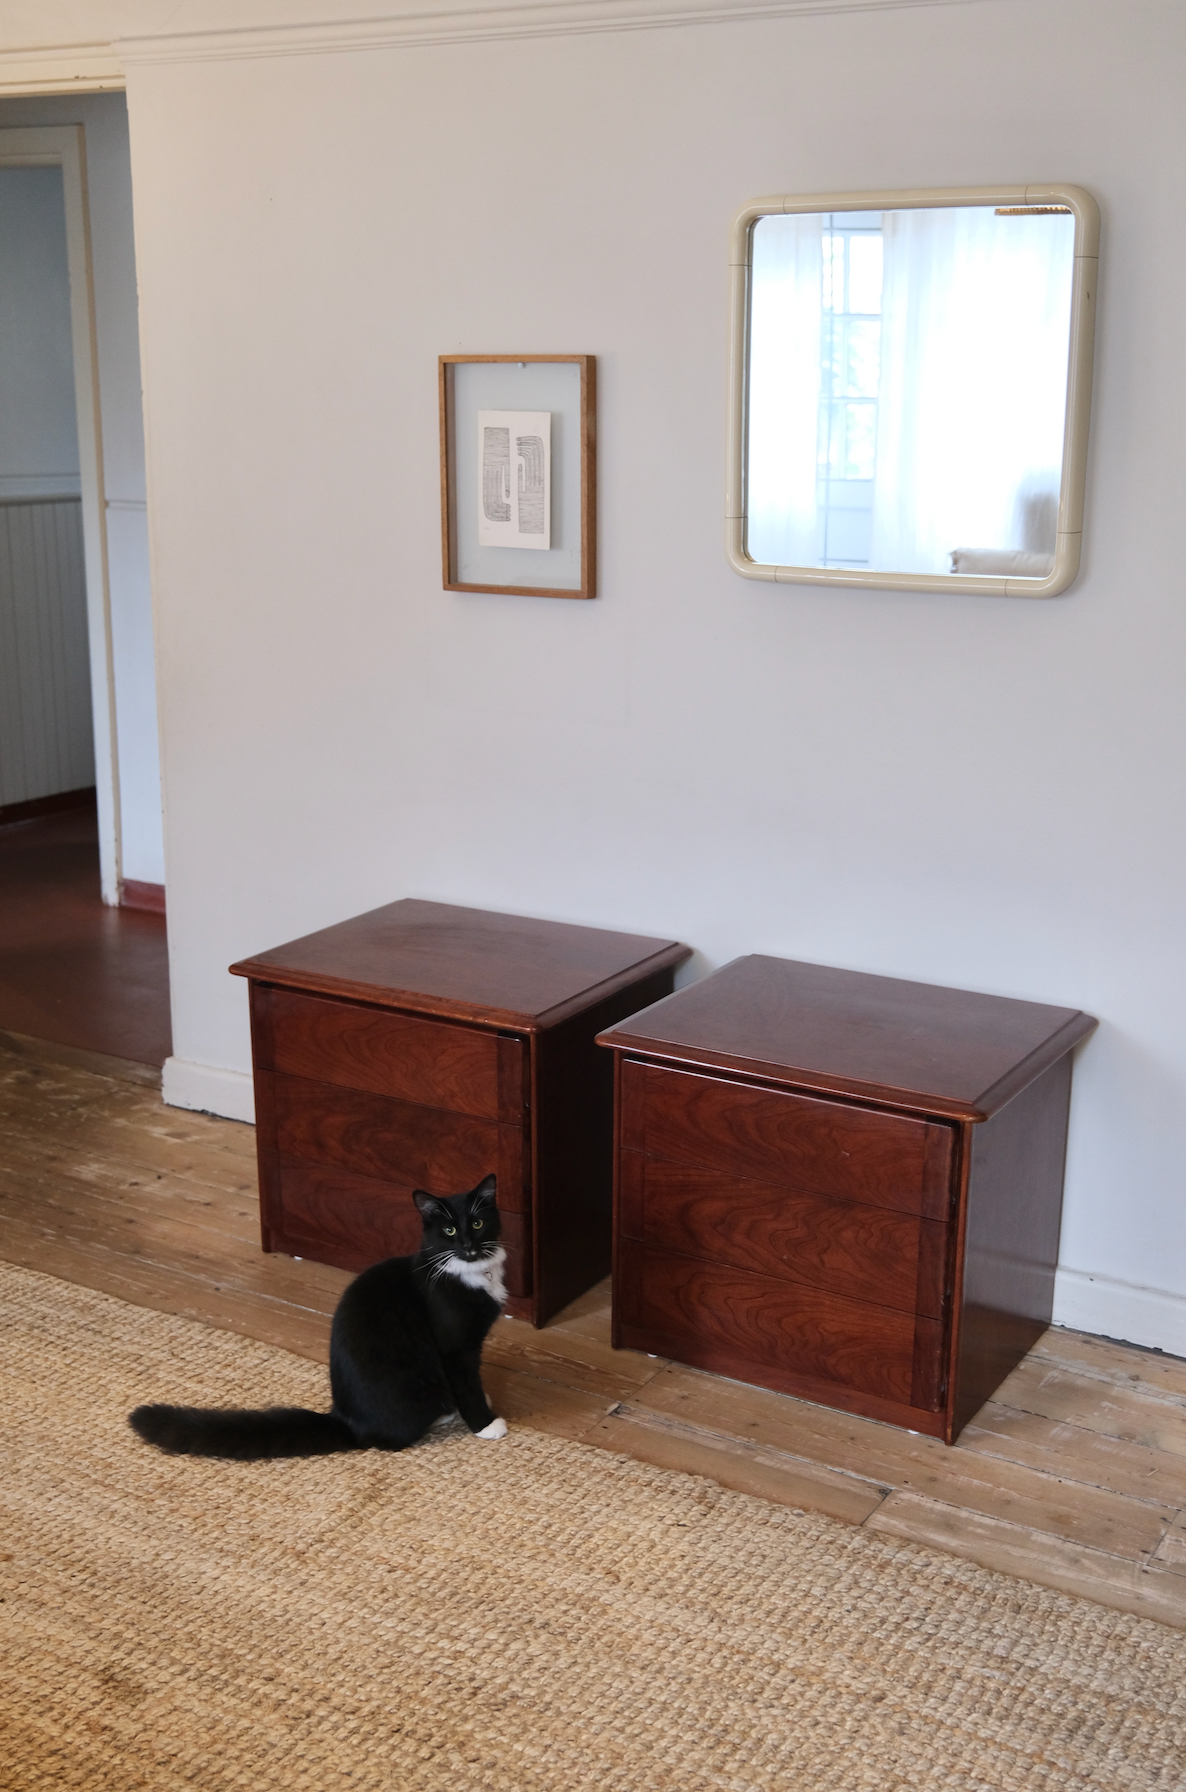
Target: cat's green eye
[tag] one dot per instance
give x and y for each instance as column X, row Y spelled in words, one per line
column 477, row 1225
column 450, row 1231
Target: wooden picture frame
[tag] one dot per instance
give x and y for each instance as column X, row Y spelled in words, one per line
column 468, row 383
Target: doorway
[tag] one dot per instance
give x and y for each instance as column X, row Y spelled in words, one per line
column 82, row 886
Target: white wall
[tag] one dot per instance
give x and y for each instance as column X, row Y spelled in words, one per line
column 47, row 743
column 46, row 738
column 973, row 791
column 104, row 117
column 38, row 426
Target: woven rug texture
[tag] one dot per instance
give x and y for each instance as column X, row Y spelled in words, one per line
column 524, row 1616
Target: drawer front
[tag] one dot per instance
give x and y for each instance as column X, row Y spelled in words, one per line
column 817, row 1147
column 354, row 1221
column 866, row 1253
column 395, row 1141
column 423, row 1061
column 763, row 1325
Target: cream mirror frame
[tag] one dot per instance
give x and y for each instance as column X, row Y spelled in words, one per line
column 1067, row 533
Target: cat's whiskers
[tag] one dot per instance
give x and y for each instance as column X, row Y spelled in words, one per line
column 437, row 1267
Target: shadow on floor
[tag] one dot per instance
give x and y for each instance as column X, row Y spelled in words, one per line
column 73, row 970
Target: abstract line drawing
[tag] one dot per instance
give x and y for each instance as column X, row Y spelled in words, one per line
column 496, row 474
column 530, row 450
column 514, row 498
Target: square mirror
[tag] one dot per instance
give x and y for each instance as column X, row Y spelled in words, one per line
column 911, row 378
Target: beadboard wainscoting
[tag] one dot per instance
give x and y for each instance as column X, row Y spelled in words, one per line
column 46, row 737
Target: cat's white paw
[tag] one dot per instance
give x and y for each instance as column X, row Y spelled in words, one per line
column 496, row 1428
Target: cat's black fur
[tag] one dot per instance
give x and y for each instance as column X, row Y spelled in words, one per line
column 405, row 1350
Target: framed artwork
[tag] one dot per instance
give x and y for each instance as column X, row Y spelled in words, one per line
column 518, row 474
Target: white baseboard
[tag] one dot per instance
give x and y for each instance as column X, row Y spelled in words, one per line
column 1095, row 1303
column 229, row 1093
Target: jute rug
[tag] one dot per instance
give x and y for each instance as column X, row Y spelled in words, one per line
column 524, row 1616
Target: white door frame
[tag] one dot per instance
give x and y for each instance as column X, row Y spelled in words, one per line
column 64, row 147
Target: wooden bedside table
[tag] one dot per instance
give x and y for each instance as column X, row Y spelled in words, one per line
column 423, row 1046
column 845, row 1187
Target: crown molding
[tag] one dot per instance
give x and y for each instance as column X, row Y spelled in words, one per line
column 448, row 22
column 99, row 66
column 61, row 68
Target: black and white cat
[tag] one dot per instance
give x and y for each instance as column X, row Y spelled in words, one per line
column 405, row 1351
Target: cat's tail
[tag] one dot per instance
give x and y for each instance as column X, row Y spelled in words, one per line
column 242, row 1436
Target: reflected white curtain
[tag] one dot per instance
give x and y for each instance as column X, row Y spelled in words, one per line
column 975, row 332
column 784, row 528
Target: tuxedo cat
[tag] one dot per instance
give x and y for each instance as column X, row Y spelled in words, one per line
column 405, row 1350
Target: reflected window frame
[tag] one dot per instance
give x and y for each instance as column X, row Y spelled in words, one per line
column 1078, row 403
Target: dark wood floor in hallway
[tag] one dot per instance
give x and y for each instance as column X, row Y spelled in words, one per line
column 1073, row 1475
column 73, row 969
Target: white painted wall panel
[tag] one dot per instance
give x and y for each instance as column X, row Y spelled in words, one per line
column 46, row 741
column 38, row 426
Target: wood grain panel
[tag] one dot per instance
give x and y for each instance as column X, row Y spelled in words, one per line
column 271, row 1212
column 878, row 1039
column 572, row 1196
column 513, row 1171
column 928, row 1383
column 514, row 1078
column 1013, row 1221
column 266, row 1144
column 502, row 971
column 763, row 1323
column 821, row 1147
column 935, row 1251
column 720, row 1361
column 263, row 1048
column 334, row 1216
column 392, row 1140
column 866, row 1253
column 424, row 1061
column 358, row 1219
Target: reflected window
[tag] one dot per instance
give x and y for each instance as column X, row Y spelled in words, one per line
column 850, row 378
column 906, row 383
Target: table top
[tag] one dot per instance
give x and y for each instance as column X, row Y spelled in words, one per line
column 464, row 963
column 915, row 1045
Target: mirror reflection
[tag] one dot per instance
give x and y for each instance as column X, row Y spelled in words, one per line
column 907, row 388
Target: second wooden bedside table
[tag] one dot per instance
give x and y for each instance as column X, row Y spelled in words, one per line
column 423, row 1046
column 841, row 1186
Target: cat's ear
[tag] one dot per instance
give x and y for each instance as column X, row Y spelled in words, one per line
column 428, row 1205
column 485, row 1190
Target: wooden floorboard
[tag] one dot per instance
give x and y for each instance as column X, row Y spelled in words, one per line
column 73, row 969
column 1069, row 1451
column 747, row 1468
column 1171, row 1552
column 1145, row 1589
column 1149, row 1368
column 1073, row 1475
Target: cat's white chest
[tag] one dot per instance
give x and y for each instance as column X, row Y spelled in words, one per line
column 486, row 1275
